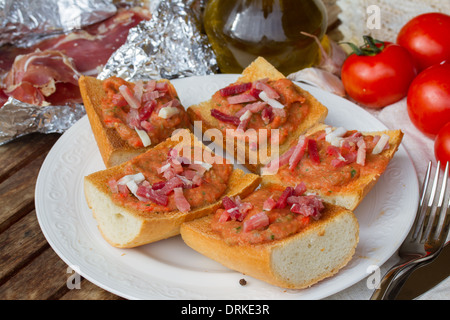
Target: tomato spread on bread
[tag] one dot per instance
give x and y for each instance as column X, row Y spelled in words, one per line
column 268, row 214
column 142, row 114
column 262, row 104
column 332, row 159
column 162, row 180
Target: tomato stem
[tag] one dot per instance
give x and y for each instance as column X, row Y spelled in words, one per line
column 371, row 47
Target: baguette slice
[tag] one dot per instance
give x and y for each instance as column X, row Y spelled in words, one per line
column 319, row 251
column 126, row 227
column 348, row 196
column 113, row 149
column 258, row 69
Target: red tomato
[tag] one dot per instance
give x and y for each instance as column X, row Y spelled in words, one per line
column 429, row 99
column 442, row 145
column 380, row 79
column 427, row 38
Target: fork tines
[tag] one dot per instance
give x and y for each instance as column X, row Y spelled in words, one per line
column 434, row 210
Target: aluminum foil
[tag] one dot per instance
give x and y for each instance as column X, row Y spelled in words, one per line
column 25, row 20
column 18, row 119
column 170, row 45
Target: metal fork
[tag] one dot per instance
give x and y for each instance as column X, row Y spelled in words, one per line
column 426, row 238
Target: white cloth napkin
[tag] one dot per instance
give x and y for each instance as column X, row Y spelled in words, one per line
column 419, row 147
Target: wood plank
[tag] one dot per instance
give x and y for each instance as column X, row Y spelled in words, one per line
column 17, row 193
column 18, row 153
column 89, row 291
column 44, row 278
column 19, row 245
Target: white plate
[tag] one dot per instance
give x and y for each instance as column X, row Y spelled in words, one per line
column 169, row 269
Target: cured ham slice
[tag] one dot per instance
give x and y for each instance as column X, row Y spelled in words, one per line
column 48, row 72
column 91, row 47
column 36, row 76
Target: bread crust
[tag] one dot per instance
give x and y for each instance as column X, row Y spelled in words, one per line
column 351, row 198
column 296, row 262
column 141, row 228
column 113, row 149
column 258, row 69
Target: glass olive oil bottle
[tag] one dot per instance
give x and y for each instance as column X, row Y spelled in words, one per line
column 242, row 30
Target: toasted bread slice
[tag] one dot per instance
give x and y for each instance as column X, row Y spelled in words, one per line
column 318, row 251
column 350, row 194
column 126, row 227
column 113, row 149
column 200, row 114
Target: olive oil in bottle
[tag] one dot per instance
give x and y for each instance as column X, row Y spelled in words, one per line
column 242, row 30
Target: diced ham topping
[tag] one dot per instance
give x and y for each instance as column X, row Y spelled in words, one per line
column 146, row 110
column 313, row 151
column 151, row 95
column 171, row 184
column 308, row 206
column 267, row 115
column 244, row 120
column 257, row 221
column 282, row 200
column 235, row 209
column 179, row 174
column 300, row 189
column 150, row 194
column 113, row 186
column 255, row 92
column 242, row 98
column 343, row 150
column 269, row 204
column 256, row 97
column 276, row 163
column 252, row 107
column 225, row 118
column 162, row 86
column 235, row 89
column 180, row 201
column 298, row 153
column 150, row 86
column 269, row 91
column 119, row 100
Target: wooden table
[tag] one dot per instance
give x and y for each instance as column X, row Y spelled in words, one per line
column 29, row 268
